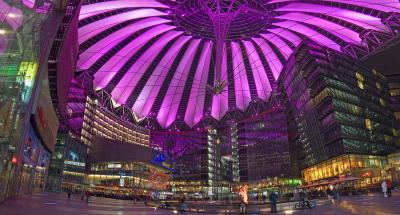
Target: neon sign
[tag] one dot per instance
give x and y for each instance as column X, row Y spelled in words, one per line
column 160, row 159
column 74, row 163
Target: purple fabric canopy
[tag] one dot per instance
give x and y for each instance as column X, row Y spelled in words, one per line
column 159, row 58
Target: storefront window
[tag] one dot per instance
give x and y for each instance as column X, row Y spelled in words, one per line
column 20, row 38
column 362, row 166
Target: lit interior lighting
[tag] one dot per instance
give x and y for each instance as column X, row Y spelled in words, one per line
column 12, row 15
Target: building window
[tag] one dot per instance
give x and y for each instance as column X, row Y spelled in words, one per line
column 395, row 132
column 378, row 86
column 321, row 96
column 359, row 77
column 397, row 115
column 360, row 84
column 395, row 92
column 382, row 102
column 368, row 124
column 360, row 80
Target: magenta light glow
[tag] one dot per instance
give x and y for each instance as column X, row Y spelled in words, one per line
column 247, row 44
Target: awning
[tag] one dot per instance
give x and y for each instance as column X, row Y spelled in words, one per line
column 350, row 178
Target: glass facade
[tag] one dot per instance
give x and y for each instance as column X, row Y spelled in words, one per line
column 35, row 164
column 393, row 166
column 24, row 39
column 100, row 122
column 139, row 177
column 366, row 167
column 219, row 167
column 263, row 142
column 337, row 106
column 68, row 164
column 206, row 160
column 394, row 87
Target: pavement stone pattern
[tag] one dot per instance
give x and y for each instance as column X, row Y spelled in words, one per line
column 58, row 204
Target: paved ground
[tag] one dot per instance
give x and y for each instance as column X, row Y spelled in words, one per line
column 56, row 204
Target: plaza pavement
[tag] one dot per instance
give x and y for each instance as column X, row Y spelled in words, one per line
column 58, row 204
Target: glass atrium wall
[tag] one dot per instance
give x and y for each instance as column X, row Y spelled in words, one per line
column 22, row 32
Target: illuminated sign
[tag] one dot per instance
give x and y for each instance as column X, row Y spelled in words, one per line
column 114, row 165
column 122, row 182
column 73, row 155
column 9, row 70
column 161, row 160
column 158, row 158
column 14, row 159
column 74, row 163
column 28, row 69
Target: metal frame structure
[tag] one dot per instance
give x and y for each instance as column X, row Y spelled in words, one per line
column 245, row 41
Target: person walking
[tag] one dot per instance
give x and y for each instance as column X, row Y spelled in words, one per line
column 69, row 194
column 182, row 206
column 273, row 198
column 242, row 207
column 87, row 194
column 329, row 193
column 389, row 187
column 82, row 195
column 384, row 188
column 337, row 194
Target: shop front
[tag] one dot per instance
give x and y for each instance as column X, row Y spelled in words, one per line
column 392, row 169
column 25, row 35
column 35, row 163
column 264, row 187
column 68, row 164
column 367, row 169
column 128, row 179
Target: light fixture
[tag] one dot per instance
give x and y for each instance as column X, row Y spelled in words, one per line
column 11, row 15
column 2, row 31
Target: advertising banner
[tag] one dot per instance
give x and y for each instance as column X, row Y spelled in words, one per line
column 32, row 148
column 46, row 121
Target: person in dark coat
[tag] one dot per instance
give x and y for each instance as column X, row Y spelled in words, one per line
column 242, row 207
column 273, row 198
column 389, row 187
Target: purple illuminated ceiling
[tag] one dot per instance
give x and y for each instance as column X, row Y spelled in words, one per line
column 160, row 57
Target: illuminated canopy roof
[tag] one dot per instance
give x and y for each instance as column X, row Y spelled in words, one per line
column 185, row 60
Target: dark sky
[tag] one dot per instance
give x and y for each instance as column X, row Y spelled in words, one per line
column 387, row 61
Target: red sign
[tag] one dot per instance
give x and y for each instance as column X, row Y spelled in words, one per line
column 366, row 174
column 14, row 159
column 46, row 120
column 42, row 117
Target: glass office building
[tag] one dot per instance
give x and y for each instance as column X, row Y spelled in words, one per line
column 26, row 33
column 340, row 106
column 68, row 164
column 263, row 141
column 98, row 121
